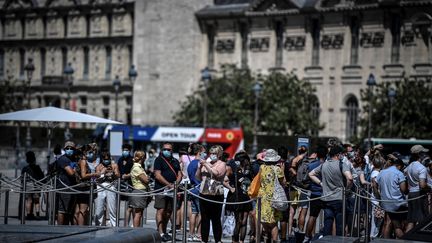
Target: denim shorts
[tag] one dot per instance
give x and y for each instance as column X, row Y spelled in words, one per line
column 194, row 205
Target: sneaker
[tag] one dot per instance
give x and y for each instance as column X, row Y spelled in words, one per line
column 196, row 238
column 166, row 237
column 190, row 238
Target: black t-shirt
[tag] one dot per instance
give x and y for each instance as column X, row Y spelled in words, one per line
column 125, row 166
column 34, row 171
column 68, row 180
column 161, row 163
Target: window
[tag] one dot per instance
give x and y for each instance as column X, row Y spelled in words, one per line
column 43, row 62
column 106, row 100
column 395, row 31
column 86, row 63
column 244, row 38
column 355, row 29
column 316, row 42
column 315, row 110
column 105, row 113
column 130, row 50
column 22, row 63
column 65, row 24
column 110, row 20
column 352, row 111
column 279, row 43
column 83, row 110
column 210, row 37
column 83, row 100
column 64, row 57
column 108, row 62
column 2, row 57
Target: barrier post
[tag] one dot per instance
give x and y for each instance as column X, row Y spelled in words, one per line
column 258, row 220
column 23, row 198
column 185, row 211
column 0, row 185
column 90, row 218
column 54, row 200
column 174, row 213
column 353, row 220
column 48, row 204
column 367, row 218
column 343, row 211
column 118, row 202
column 6, row 210
column 358, row 213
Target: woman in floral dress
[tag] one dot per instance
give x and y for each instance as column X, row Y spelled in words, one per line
column 269, row 171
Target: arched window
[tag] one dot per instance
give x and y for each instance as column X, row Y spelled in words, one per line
column 315, row 109
column 352, row 110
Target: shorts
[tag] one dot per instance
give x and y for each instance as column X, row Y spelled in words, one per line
column 138, row 201
column 303, row 196
column 417, row 209
column 194, row 204
column 397, row 216
column 315, row 207
column 163, row 202
column 65, row 203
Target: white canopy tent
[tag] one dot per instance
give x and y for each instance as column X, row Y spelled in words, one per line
column 52, row 115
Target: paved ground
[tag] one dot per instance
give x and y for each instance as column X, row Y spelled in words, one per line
column 14, row 205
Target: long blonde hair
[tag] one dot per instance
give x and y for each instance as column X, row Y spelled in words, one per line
column 139, row 156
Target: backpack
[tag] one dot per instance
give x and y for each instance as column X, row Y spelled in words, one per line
column 302, row 178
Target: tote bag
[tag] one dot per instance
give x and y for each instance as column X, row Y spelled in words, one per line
column 279, row 199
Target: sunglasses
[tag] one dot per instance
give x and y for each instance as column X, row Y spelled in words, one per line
column 166, row 149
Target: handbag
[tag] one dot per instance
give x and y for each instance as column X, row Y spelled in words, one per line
column 255, row 186
column 228, row 225
column 210, row 186
column 279, row 199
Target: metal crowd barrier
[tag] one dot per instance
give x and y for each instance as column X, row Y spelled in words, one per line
column 11, row 185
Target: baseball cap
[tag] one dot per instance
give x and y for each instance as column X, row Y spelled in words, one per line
column 69, row 144
column 418, row 149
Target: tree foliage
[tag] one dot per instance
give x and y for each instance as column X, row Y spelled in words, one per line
column 411, row 110
column 284, row 103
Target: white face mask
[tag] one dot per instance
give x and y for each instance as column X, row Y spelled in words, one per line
column 213, row 157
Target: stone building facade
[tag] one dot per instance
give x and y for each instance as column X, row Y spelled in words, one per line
column 94, row 36
column 334, row 44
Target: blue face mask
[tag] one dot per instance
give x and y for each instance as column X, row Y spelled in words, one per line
column 203, row 155
column 166, row 153
column 213, row 157
column 90, row 156
column 125, row 153
column 106, row 162
column 69, row 152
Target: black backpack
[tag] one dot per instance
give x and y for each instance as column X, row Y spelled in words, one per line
column 302, row 178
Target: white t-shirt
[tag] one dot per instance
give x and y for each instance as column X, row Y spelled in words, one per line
column 185, row 160
column 414, row 173
column 374, row 175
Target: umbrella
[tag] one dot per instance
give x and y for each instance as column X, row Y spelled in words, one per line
column 51, row 115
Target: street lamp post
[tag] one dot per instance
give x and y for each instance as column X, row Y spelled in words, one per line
column 257, row 91
column 116, row 84
column 391, row 95
column 29, row 69
column 206, row 78
column 371, row 82
column 132, row 77
column 68, row 72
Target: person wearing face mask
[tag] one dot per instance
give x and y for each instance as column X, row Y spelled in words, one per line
column 211, row 174
column 85, row 174
column 167, row 172
column 65, row 178
column 140, row 184
column 32, row 199
column 125, row 164
column 194, row 213
column 108, row 172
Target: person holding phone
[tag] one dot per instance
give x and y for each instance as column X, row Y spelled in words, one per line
column 194, row 215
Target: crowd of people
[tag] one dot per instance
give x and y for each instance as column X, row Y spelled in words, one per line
column 313, row 181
